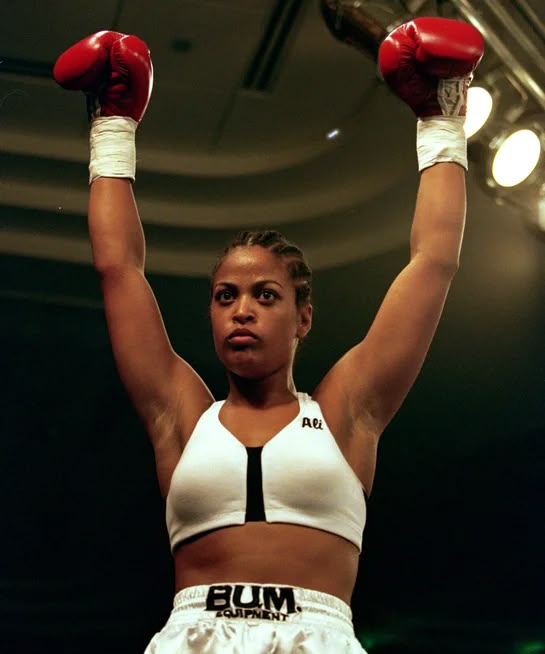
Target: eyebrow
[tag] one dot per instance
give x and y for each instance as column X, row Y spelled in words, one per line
column 261, row 282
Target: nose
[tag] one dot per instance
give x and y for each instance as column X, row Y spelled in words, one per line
column 243, row 311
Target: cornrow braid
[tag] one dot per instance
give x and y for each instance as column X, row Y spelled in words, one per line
column 272, row 240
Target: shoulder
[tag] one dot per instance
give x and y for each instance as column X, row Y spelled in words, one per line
column 171, row 432
column 354, row 430
column 343, row 408
column 178, row 419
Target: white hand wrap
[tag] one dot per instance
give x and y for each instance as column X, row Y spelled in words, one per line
column 113, row 152
column 440, row 139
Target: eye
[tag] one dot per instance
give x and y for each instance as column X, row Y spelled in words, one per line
column 224, row 295
column 267, row 295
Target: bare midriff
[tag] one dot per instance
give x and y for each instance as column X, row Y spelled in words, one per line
column 265, row 553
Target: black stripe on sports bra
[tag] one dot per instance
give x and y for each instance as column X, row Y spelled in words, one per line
column 255, row 505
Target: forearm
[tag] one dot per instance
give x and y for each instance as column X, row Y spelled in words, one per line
column 116, row 233
column 439, row 218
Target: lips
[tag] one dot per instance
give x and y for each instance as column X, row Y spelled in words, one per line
column 242, row 332
column 241, row 337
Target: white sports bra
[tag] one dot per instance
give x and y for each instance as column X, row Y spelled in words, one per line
column 298, row 477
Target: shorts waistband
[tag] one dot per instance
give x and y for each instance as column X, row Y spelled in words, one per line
column 263, row 602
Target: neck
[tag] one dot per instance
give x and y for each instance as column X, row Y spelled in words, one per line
column 269, row 391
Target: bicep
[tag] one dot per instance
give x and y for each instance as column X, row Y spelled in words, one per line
column 377, row 373
column 149, row 368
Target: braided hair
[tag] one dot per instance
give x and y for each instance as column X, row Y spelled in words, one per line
column 272, row 240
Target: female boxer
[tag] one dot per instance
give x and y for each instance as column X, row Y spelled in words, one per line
column 264, row 490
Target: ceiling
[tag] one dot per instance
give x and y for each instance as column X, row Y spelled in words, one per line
column 453, row 551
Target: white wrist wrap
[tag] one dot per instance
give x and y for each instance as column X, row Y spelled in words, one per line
column 113, row 152
column 440, row 139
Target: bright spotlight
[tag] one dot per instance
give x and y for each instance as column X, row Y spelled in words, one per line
column 516, row 158
column 479, row 106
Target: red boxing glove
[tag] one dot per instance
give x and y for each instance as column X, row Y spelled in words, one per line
column 429, row 64
column 113, row 69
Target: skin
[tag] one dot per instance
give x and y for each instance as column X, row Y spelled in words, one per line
column 358, row 396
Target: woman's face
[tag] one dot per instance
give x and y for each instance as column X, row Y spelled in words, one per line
column 255, row 321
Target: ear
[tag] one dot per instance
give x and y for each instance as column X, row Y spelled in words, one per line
column 304, row 322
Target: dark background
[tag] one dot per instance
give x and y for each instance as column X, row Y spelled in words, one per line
column 453, row 550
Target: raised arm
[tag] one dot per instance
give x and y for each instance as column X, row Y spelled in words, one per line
column 393, row 351
column 428, row 63
column 156, row 379
column 116, row 73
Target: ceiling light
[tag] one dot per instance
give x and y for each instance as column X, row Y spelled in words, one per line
column 479, row 106
column 516, row 157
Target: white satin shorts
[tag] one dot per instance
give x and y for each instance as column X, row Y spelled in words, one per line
column 244, row 618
